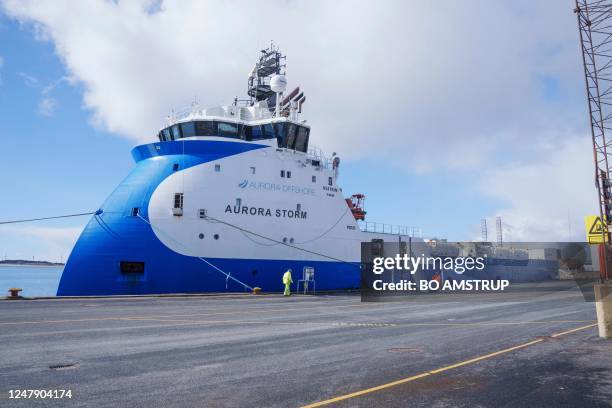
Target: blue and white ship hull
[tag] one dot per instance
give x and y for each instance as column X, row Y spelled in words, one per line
column 256, row 226
column 227, row 200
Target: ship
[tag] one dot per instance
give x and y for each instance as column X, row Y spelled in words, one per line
column 226, row 199
column 515, row 262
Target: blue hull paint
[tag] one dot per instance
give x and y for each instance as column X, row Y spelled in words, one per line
column 93, row 267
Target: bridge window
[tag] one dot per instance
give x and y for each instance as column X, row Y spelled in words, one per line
column 188, row 129
column 228, row 129
column 165, row 135
column 288, row 135
column 255, row 133
column 301, row 142
column 268, row 131
column 291, row 133
column 176, row 132
column 281, row 136
column 207, row 128
column 292, row 136
column 243, row 130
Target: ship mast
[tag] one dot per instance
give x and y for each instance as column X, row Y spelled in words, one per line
column 271, row 63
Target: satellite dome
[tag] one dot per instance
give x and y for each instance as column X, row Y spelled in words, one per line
column 278, row 83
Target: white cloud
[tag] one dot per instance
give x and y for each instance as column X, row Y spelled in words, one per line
column 428, row 86
column 54, row 84
column 47, row 106
column 407, row 74
column 29, row 80
column 548, row 199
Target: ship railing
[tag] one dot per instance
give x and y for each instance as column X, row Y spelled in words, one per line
column 194, row 111
column 382, row 228
column 316, row 153
column 184, row 113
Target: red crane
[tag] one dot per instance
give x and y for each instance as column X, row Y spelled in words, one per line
column 356, row 204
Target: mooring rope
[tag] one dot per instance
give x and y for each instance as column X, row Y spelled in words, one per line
column 227, row 275
column 280, row 242
column 214, row 220
column 47, row 218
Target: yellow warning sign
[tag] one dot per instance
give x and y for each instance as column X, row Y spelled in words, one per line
column 595, row 229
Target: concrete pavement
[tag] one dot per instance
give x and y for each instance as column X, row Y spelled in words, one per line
column 271, row 351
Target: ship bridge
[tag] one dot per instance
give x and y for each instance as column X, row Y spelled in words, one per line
column 269, row 113
column 289, row 133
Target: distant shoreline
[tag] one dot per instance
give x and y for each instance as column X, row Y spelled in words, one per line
column 22, row 262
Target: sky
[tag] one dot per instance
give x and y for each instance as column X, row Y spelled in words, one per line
column 443, row 113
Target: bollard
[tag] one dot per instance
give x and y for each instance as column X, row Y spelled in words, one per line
column 603, row 307
column 256, row 291
column 15, row 293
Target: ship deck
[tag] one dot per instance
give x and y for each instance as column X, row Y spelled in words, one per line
column 245, row 350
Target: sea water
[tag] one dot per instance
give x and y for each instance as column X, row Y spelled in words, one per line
column 34, row 280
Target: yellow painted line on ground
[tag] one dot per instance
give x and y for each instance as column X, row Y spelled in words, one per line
column 486, row 356
column 574, row 330
column 439, row 370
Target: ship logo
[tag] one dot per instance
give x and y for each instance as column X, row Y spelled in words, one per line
column 266, row 186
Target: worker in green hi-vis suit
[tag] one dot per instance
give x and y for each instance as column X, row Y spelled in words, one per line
column 287, row 281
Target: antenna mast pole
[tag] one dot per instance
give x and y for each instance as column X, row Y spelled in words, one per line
column 484, row 230
column 595, row 28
